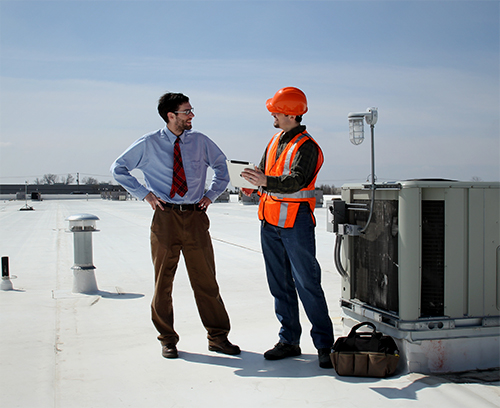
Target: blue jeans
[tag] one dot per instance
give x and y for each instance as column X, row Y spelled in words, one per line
column 291, row 266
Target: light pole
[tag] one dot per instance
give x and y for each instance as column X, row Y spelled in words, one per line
column 356, row 135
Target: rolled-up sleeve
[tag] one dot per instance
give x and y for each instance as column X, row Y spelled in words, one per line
column 220, row 179
column 131, row 159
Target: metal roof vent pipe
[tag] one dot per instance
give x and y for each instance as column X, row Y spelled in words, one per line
column 82, row 226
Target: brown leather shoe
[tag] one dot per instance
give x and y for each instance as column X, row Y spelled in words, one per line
column 226, row 347
column 169, row 351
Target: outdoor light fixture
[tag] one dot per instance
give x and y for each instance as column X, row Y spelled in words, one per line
column 339, row 208
column 356, row 128
column 357, row 132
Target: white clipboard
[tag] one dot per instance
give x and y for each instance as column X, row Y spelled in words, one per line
column 235, row 167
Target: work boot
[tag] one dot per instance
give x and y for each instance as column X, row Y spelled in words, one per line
column 225, row 347
column 282, row 350
column 169, row 350
column 324, row 358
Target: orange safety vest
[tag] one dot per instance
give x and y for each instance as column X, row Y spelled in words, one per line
column 281, row 209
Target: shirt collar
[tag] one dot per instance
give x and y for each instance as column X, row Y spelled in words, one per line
column 287, row 136
column 170, row 136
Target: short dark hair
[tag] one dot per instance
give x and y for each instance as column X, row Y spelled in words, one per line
column 298, row 118
column 170, row 102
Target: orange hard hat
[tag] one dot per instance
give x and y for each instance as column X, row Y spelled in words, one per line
column 289, row 101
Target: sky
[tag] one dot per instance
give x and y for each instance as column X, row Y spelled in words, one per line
column 80, row 82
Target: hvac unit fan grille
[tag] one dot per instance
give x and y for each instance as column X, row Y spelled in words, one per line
column 432, row 288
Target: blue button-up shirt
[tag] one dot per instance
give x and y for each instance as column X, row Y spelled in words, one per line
column 153, row 154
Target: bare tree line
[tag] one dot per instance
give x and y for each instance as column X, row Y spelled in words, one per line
column 52, row 179
column 329, row 189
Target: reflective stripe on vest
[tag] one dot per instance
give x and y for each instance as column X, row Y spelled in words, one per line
column 291, row 151
column 283, row 214
column 298, row 194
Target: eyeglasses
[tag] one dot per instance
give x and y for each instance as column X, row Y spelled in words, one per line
column 186, row 112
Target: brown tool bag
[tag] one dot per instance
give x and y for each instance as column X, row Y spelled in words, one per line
column 365, row 354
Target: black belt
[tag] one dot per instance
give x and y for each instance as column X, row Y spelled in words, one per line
column 183, row 207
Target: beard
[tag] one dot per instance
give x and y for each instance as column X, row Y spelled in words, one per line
column 182, row 125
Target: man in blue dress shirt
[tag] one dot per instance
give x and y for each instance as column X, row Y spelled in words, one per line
column 180, row 222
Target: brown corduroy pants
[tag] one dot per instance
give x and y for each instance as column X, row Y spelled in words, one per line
column 173, row 231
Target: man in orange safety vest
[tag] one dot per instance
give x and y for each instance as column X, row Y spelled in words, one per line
column 286, row 180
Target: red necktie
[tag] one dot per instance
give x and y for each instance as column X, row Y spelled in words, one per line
column 179, row 184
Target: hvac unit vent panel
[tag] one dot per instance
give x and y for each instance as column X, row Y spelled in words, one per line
column 375, row 256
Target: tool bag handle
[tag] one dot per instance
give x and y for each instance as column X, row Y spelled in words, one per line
column 353, row 331
column 373, row 341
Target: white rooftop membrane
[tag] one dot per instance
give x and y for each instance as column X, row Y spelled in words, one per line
column 61, row 349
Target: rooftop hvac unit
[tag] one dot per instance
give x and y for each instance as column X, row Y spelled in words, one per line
column 427, row 265
column 421, row 260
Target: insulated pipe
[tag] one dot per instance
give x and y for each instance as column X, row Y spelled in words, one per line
column 6, row 283
column 336, row 257
column 5, row 266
